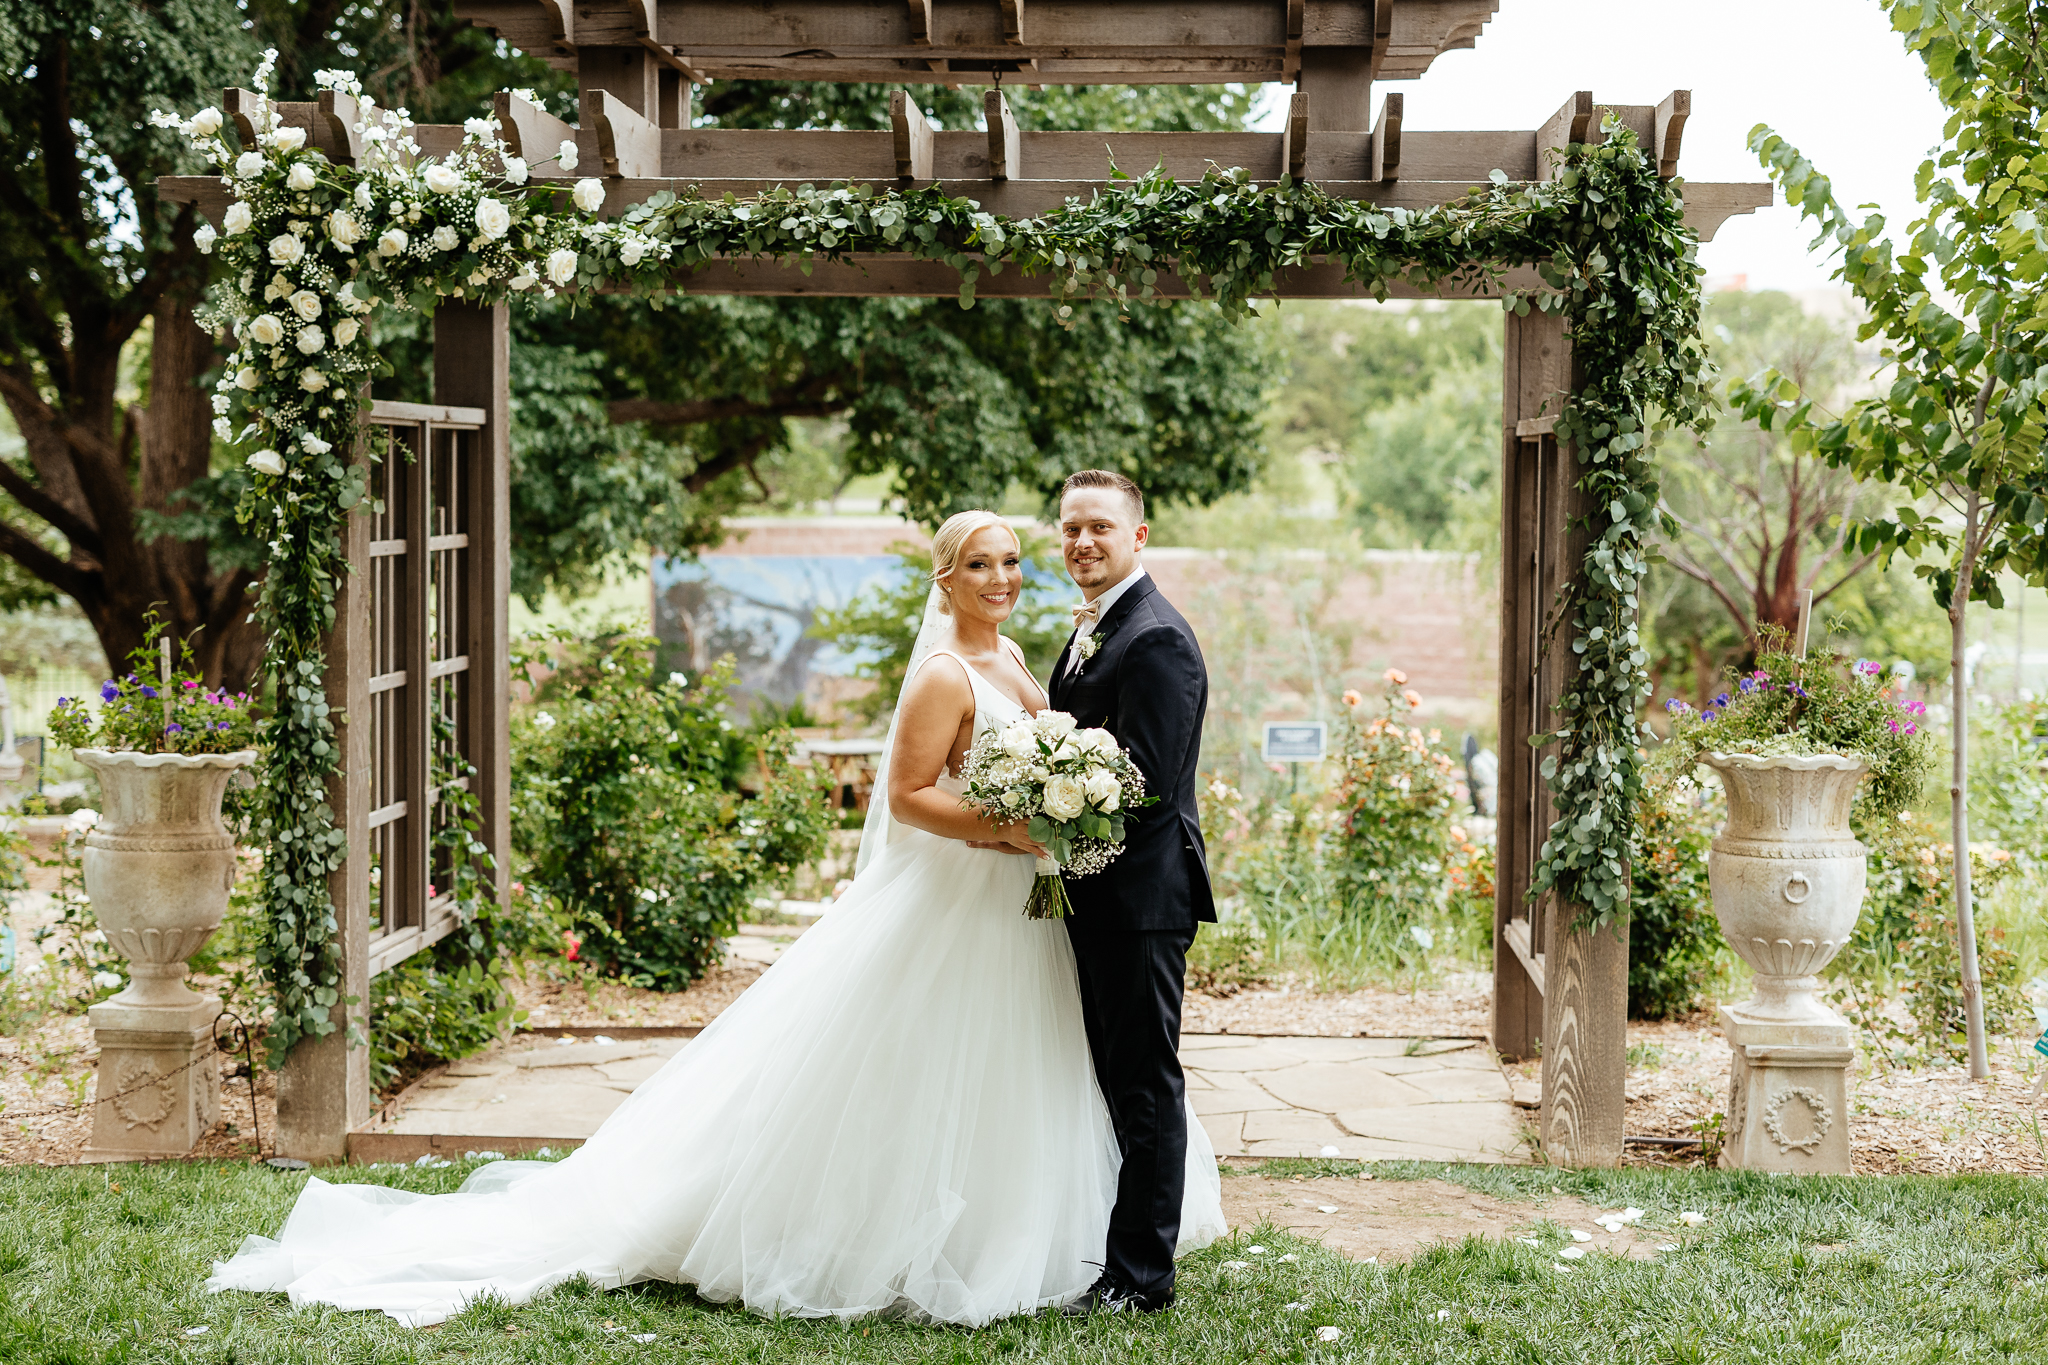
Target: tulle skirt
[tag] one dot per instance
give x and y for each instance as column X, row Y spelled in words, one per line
column 899, row 1116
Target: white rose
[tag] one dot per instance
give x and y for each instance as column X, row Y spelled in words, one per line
column 345, row 331
column 515, row 170
column 204, row 239
column 313, row 445
column 1013, row 799
column 1103, row 789
column 1099, row 742
column 286, row 249
column 288, row 139
column 267, row 462
column 478, row 127
column 312, row 340
column 306, row 304
column 392, row 242
column 266, row 330
column 300, row 177
column 633, row 250
column 1067, row 752
column 249, row 165
column 364, row 199
column 343, row 227
column 238, row 219
column 589, row 195
column 446, row 238
column 248, row 378
column 524, row 281
column 1053, row 725
column 566, row 157
column 205, row 123
column 1019, row 742
column 493, row 219
column 311, row 380
column 443, row 179
column 561, row 265
column 1064, row 798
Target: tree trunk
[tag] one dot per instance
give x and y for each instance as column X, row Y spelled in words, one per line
column 1959, row 796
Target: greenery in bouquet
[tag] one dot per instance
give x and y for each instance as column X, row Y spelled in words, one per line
column 157, row 709
column 645, row 819
column 1074, row 786
column 1820, row 704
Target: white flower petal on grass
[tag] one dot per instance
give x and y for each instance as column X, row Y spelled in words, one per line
column 1290, row 1256
column 1442, row 1314
column 1668, row 1246
column 1329, row 1151
column 1329, row 1334
column 1578, row 1236
column 1370, row 1260
column 1296, row 1308
column 1529, row 1241
column 198, row 1331
column 1691, row 1219
column 1563, row 1268
column 1237, row 1265
column 1326, row 1208
column 1572, row 1253
column 1255, row 1251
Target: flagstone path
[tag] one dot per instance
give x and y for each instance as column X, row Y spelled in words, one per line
column 1359, row 1098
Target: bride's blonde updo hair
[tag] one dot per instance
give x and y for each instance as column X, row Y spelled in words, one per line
column 951, row 538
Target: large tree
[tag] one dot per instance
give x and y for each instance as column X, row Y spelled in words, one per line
column 112, row 498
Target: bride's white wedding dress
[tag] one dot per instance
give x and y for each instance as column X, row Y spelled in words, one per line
column 900, row 1115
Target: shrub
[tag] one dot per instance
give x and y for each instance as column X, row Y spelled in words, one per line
column 633, row 815
column 1395, row 798
column 1674, row 941
column 145, row 711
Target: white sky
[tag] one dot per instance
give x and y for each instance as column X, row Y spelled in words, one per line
column 1829, row 75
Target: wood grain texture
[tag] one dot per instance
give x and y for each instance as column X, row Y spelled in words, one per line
column 1294, row 136
column 911, row 135
column 1386, row 140
column 1672, row 113
column 618, row 138
column 1004, row 161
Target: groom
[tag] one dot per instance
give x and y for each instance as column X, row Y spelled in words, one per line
column 1132, row 667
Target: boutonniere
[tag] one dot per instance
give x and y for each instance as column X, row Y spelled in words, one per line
column 1087, row 647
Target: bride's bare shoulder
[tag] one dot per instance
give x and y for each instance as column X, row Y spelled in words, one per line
column 940, row 683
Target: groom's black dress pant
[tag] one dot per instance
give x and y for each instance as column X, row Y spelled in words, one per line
column 1131, row 982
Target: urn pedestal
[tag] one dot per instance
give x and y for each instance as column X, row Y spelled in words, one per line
column 158, row 868
column 1788, row 878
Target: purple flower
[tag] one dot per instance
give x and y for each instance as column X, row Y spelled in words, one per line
column 149, row 691
column 1710, row 715
column 1894, row 726
column 1917, row 708
column 174, row 729
column 1868, row 668
column 1748, row 687
column 1911, row 728
column 1722, row 700
column 1797, row 690
column 221, row 725
column 109, row 690
column 1676, row 707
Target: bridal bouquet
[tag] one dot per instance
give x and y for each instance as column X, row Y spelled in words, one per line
column 1073, row 785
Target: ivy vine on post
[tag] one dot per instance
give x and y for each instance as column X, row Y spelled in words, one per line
column 315, row 249
column 1962, row 422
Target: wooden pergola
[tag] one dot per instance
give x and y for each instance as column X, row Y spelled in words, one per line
column 419, row 656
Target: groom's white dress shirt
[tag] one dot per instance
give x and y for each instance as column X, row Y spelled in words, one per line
column 1102, row 605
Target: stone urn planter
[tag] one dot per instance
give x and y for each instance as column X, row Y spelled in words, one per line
column 1788, row 879
column 158, row 868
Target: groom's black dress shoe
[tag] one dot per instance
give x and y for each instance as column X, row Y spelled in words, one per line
column 1111, row 1296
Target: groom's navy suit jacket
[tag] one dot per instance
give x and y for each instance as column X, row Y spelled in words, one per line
column 1148, row 686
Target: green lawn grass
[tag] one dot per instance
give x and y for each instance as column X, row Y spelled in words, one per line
column 103, row 1264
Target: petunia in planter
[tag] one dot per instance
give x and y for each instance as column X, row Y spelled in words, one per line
column 159, row 863
column 1800, row 744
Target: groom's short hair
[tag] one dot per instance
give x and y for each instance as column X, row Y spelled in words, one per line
column 1106, row 478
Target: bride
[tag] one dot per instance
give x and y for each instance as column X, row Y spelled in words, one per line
column 899, row 1116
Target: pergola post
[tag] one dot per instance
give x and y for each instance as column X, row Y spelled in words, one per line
column 1558, row 992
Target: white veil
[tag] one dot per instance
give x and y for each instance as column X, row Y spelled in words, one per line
column 880, row 830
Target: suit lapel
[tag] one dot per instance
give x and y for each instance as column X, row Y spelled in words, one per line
column 1060, row 673
column 1135, row 594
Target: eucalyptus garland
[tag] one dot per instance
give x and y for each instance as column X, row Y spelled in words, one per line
column 314, row 249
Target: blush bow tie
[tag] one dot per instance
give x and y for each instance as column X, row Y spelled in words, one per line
column 1086, row 611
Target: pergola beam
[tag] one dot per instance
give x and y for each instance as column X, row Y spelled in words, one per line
column 971, row 41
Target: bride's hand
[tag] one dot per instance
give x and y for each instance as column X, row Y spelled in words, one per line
column 1012, row 838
